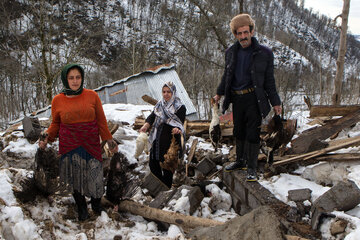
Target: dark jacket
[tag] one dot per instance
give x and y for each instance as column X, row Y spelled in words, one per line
column 163, row 139
column 262, row 76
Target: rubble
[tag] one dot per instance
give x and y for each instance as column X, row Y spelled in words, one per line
column 341, row 197
column 299, row 195
column 262, row 223
column 260, row 211
column 32, row 128
column 338, row 226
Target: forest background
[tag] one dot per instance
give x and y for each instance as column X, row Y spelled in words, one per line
column 115, row 39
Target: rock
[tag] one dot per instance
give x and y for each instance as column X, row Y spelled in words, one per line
column 328, row 173
column 162, row 199
column 154, row 185
column 194, row 195
column 32, row 128
column 342, row 197
column 338, row 226
column 299, row 195
column 261, row 223
column 219, row 199
column 205, row 165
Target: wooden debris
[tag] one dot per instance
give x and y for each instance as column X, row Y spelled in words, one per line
column 149, row 99
column 191, row 155
column 339, row 157
column 184, row 221
column 304, row 142
column 119, row 91
column 290, row 237
column 310, row 155
column 326, row 111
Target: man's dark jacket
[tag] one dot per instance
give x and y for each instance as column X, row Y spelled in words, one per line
column 262, row 76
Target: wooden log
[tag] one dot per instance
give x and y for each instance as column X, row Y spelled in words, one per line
column 184, row 221
column 326, row 111
column 307, row 156
column 290, row 237
column 303, row 143
column 339, row 157
column 191, row 155
column 149, row 99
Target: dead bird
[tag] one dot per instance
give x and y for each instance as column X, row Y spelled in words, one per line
column 141, row 145
column 117, row 178
column 214, row 129
column 279, row 133
column 171, row 158
column 46, row 170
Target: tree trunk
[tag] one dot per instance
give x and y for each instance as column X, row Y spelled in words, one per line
column 336, row 98
column 184, row 221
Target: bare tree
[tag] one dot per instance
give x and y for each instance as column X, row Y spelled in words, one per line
column 336, row 98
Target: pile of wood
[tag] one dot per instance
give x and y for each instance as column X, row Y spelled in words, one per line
column 317, row 143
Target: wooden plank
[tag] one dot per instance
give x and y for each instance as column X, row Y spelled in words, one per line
column 304, row 142
column 307, row 156
column 191, row 155
column 149, row 99
column 120, row 91
column 326, row 111
column 339, row 157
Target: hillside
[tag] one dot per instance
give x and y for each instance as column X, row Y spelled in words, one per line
column 115, row 39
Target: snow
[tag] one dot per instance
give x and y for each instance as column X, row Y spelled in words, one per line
column 29, row 224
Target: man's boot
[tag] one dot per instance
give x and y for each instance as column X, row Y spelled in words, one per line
column 253, row 154
column 240, row 163
column 81, row 205
column 96, row 205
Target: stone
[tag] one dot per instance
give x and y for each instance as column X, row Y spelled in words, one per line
column 342, row 197
column 299, row 195
column 32, row 128
column 261, row 223
column 338, row 226
column 194, row 194
column 153, row 184
column 328, row 173
column 162, row 199
column 205, row 166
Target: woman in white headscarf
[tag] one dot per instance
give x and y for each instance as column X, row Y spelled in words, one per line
column 166, row 119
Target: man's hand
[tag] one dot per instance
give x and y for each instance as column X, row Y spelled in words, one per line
column 277, row 109
column 217, row 98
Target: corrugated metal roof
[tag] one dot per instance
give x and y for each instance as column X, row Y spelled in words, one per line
column 132, row 88
column 149, row 82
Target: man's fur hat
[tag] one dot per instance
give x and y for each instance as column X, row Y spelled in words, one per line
column 240, row 21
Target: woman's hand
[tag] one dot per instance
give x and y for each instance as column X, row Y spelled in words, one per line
column 43, row 140
column 113, row 147
column 145, row 127
column 175, row 131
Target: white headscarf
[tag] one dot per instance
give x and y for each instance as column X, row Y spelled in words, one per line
column 165, row 113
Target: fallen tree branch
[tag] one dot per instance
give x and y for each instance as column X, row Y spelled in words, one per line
column 184, row 221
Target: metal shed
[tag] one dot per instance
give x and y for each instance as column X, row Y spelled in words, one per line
column 149, row 82
column 132, row 88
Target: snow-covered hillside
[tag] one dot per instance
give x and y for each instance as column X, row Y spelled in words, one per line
column 55, row 218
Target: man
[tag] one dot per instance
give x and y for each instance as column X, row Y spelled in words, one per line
column 249, row 84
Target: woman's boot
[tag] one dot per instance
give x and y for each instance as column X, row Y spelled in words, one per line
column 96, row 205
column 81, row 205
